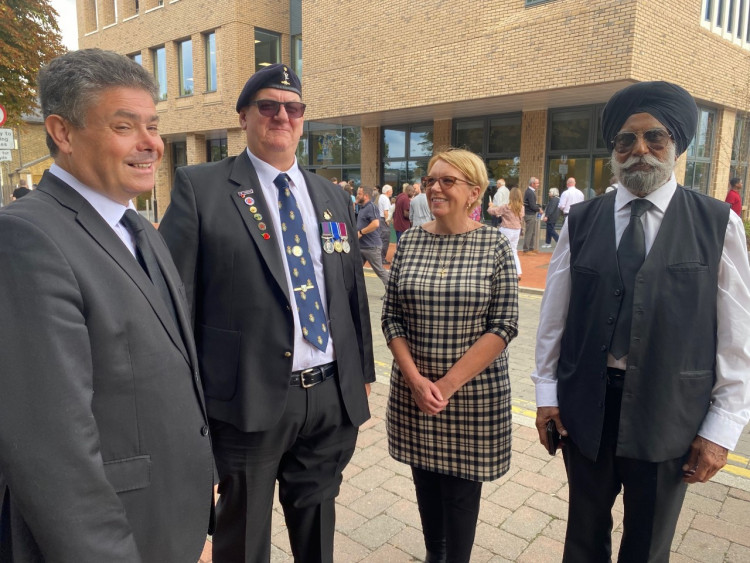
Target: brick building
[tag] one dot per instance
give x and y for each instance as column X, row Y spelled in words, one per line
column 521, row 82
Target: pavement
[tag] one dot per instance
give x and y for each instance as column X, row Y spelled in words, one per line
column 523, row 514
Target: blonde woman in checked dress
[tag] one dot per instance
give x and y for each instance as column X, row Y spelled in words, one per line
column 450, row 310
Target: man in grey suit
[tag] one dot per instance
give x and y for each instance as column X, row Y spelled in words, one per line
column 270, row 259
column 104, row 446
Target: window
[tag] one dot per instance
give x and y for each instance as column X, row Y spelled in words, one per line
column 267, row 48
column 216, row 149
column 406, row 152
column 728, row 18
column 136, row 57
column 741, row 151
column 498, row 141
column 577, row 150
column 698, row 168
column 159, row 56
column 211, row 62
column 297, row 54
column 333, row 148
column 179, row 155
column 185, row 61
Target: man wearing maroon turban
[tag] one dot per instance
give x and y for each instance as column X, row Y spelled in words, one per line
column 642, row 352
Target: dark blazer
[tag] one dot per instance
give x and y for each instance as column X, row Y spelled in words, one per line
column 530, row 205
column 103, row 431
column 236, row 286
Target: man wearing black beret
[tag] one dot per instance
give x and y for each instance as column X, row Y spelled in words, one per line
column 271, row 264
column 642, row 355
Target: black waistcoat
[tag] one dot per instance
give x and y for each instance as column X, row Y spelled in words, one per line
column 672, row 355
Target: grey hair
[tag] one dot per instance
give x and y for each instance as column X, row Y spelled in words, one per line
column 554, row 192
column 71, row 83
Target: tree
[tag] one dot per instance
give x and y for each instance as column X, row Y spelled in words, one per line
column 29, row 38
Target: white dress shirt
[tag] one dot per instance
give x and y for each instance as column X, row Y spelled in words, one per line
column 502, row 196
column 305, row 354
column 569, row 197
column 110, row 210
column 730, row 398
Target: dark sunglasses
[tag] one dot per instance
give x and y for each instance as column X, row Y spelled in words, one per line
column 270, row 108
column 656, row 139
column 446, row 182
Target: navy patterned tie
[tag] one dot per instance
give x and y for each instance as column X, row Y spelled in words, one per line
column 630, row 256
column 312, row 317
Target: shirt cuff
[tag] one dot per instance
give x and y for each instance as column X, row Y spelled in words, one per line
column 720, row 429
column 546, row 394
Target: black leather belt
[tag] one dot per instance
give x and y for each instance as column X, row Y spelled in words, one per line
column 310, row 377
column 616, row 377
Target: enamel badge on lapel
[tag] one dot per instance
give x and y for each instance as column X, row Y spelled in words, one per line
column 327, row 215
column 243, row 194
column 250, row 202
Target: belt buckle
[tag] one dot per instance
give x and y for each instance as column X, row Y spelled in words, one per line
column 302, row 375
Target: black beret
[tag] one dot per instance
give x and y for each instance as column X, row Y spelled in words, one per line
column 672, row 105
column 277, row 76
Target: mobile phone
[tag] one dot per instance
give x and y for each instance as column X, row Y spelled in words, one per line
column 553, row 437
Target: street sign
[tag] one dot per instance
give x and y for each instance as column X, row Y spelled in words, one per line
column 6, row 139
column 5, row 155
column 3, row 115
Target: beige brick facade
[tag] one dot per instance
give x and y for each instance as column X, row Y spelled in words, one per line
column 405, row 62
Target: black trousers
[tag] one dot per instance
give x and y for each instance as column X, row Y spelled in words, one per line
column 653, row 496
column 306, row 452
column 448, row 508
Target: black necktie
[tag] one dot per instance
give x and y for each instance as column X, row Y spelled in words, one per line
column 309, row 307
column 147, row 259
column 630, row 256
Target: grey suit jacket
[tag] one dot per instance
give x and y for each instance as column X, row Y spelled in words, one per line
column 237, row 289
column 103, row 430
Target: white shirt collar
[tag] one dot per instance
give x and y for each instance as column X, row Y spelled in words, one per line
column 110, row 210
column 660, row 197
column 267, row 173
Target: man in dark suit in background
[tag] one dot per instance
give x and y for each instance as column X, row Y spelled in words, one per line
column 104, row 445
column 270, row 259
column 642, row 352
column 530, row 223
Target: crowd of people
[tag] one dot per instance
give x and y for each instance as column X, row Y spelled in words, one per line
column 158, row 386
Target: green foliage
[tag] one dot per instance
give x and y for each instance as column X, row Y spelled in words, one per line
column 29, row 38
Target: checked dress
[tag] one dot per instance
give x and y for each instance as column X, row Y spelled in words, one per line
column 444, row 293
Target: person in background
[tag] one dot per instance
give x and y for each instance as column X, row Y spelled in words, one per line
column 451, row 308
column 551, row 214
column 501, row 197
column 570, row 196
column 511, row 216
column 385, row 218
column 734, row 199
column 401, row 213
column 531, row 224
column 419, row 209
column 642, row 352
column 367, row 231
column 18, row 193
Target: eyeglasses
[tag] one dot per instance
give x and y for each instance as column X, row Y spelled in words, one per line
column 656, row 139
column 270, row 108
column 446, row 182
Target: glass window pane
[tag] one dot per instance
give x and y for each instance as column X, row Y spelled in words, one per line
column 702, row 176
column 267, row 48
column 704, row 139
column 506, row 168
column 216, row 149
column 352, row 144
column 600, row 142
column 559, row 170
column 179, row 154
column 394, row 143
column 470, row 135
column 570, row 130
column 394, row 173
column 186, row 68
column 137, row 58
column 416, row 169
column 211, row 62
column 602, row 175
column 420, row 141
column 505, row 135
column 707, row 15
column 326, row 147
column 303, row 151
column 160, row 71
column 297, row 54
column 730, row 17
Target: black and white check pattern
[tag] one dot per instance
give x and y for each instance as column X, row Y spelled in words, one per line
column 441, row 318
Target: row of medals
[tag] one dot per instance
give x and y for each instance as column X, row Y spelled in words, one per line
column 330, row 245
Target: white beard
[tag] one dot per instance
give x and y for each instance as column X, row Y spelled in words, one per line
column 643, row 182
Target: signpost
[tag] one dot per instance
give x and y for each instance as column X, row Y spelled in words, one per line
column 3, row 115
column 6, row 139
